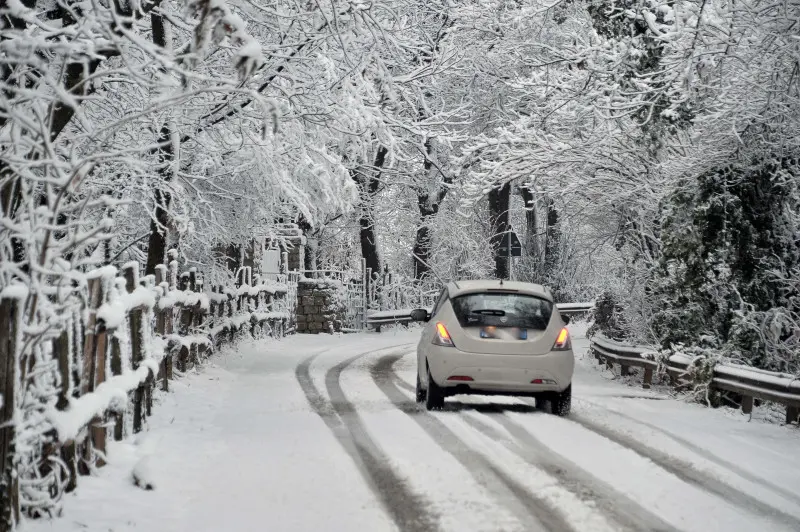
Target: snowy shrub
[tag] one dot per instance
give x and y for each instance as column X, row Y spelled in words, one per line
column 700, row 372
column 724, row 237
column 608, row 318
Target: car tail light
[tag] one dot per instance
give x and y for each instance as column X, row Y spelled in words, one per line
column 562, row 342
column 442, row 337
column 460, row 378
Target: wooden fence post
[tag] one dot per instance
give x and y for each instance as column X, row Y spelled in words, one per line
column 116, row 369
column 97, row 427
column 61, row 351
column 9, row 485
column 137, row 347
column 184, row 326
column 148, row 282
column 169, row 322
column 194, row 316
column 161, row 324
column 90, row 345
column 231, row 329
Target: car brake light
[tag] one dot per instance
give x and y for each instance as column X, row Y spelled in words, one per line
column 442, row 337
column 562, row 342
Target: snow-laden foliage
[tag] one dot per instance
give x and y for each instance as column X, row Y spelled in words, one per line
column 642, row 147
column 728, row 249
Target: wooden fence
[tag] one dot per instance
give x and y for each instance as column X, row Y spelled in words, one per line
column 132, row 335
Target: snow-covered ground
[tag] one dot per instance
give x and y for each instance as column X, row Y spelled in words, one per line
column 322, row 433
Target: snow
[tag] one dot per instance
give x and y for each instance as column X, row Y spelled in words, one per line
column 104, row 272
column 574, row 306
column 189, row 340
column 14, row 291
column 107, row 395
column 622, row 347
column 265, row 437
column 768, row 377
column 186, row 298
column 115, row 312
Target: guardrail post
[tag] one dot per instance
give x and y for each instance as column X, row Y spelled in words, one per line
column 747, row 404
column 648, row 378
column 792, row 414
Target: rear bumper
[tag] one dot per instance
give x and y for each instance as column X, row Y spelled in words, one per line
column 500, row 374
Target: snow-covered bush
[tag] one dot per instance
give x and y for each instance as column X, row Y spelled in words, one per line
column 608, row 319
column 724, row 237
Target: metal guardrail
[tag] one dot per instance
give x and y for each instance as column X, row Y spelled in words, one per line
column 377, row 319
column 575, row 309
column 750, row 383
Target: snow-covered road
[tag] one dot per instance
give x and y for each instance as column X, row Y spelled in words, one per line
column 322, row 433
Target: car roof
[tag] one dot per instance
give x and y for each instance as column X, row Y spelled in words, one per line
column 460, row 288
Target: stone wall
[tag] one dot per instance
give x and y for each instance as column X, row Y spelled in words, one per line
column 320, row 306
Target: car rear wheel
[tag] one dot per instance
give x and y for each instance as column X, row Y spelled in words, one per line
column 558, row 403
column 434, row 395
column 420, row 393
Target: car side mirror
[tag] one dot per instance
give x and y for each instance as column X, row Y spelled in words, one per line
column 420, row 314
column 565, row 319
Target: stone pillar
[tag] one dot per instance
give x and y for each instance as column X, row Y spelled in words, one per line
column 320, row 306
column 289, row 238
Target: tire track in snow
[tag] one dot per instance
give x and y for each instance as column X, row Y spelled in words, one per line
column 711, row 457
column 407, row 509
column 614, row 505
column 523, row 504
column 687, row 473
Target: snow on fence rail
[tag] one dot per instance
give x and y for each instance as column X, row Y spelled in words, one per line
column 107, row 361
column 750, row 383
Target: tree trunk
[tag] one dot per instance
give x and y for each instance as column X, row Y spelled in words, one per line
column 499, row 203
column 422, row 241
column 552, row 244
column 310, row 255
column 428, row 209
column 368, row 180
column 157, row 243
column 10, row 186
column 531, row 223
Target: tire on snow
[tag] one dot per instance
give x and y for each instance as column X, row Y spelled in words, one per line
column 420, row 392
column 558, row 403
column 434, row 395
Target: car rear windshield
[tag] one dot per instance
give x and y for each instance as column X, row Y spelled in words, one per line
column 502, row 309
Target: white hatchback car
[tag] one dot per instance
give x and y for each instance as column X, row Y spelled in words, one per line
column 493, row 338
